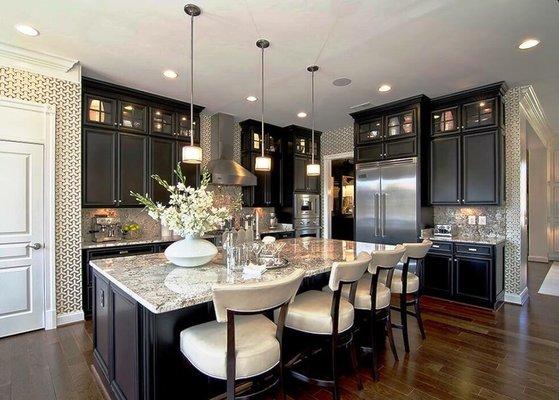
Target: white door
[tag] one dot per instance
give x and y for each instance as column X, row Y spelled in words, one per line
column 22, row 297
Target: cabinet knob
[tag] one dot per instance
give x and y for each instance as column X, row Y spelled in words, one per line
column 116, row 123
column 458, row 200
column 114, row 201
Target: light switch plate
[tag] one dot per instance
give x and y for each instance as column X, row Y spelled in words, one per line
column 482, row 220
column 472, row 220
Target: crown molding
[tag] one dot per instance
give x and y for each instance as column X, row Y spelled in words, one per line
column 535, row 115
column 40, row 63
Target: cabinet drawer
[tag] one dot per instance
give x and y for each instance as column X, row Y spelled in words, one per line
column 121, row 251
column 472, row 249
column 371, row 152
column 441, row 247
column 400, row 148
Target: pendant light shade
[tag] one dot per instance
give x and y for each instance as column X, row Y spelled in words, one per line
column 312, row 168
column 262, row 163
column 192, row 154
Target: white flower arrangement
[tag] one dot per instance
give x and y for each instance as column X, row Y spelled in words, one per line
column 190, row 212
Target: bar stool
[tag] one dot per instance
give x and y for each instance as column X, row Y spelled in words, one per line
column 405, row 282
column 330, row 316
column 243, row 343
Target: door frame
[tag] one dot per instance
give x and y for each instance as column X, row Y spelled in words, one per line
column 326, row 182
column 47, row 138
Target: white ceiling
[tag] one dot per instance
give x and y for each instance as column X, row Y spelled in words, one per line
column 433, row 47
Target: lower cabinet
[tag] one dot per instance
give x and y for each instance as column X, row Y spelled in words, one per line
column 279, row 235
column 466, row 272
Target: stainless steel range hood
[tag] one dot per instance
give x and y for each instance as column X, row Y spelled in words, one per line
column 224, row 170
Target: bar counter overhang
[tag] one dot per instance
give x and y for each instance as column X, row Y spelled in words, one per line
column 142, row 303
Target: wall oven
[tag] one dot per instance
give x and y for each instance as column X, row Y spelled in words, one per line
column 307, row 227
column 306, row 206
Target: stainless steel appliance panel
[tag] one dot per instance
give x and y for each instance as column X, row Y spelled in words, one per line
column 367, row 203
column 306, row 205
column 398, row 202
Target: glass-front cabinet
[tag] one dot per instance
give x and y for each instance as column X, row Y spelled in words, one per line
column 303, row 146
column 370, row 131
column 445, row 121
column 132, row 116
column 183, row 126
column 402, row 124
column 161, row 121
column 479, row 114
column 100, row 111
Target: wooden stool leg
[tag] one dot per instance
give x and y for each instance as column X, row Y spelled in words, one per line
column 335, row 388
column 391, row 336
column 374, row 370
column 354, row 365
column 418, row 316
column 404, row 317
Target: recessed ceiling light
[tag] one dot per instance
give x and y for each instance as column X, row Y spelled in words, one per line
column 27, row 30
column 528, row 44
column 341, row 82
column 169, row 73
column 302, row 114
column 384, row 88
column 252, row 98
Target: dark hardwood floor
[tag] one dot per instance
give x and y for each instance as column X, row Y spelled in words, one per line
column 469, row 353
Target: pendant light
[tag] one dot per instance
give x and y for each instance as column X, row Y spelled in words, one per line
column 262, row 163
column 192, row 154
column 312, row 168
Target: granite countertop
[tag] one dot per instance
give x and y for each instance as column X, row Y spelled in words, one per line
column 281, row 228
column 161, row 286
column 88, row 244
column 469, row 239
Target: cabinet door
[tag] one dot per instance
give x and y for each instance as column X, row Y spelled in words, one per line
column 161, row 122
column 182, row 124
column 99, row 166
column 399, row 125
column 101, row 333
column 132, row 155
column 132, row 117
column 400, row 148
column 100, row 111
column 445, row 121
column 372, row 152
column 479, row 114
column 190, row 171
column 472, row 279
column 300, row 174
column 480, row 178
column 302, row 145
column 247, row 161
column 445, row 170
column 276, row 180
column 437, row 274
column 313, row 182
column 370, row 131
column 162, row 164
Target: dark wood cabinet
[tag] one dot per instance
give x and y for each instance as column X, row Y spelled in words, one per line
column 437, row 274
column 467, row 272
column 373, row 152
column 133, row 167
column 102, row 340
column 300, row 174
column 467, row 157
column 119, row 129
column 445, row 170
column 401, row 124
column 99, row 186
column 369, row 131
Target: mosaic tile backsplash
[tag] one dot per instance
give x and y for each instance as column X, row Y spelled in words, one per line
column 458, row 218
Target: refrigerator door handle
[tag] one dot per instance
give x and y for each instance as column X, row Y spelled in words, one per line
column 383, row 212
column 376, row 212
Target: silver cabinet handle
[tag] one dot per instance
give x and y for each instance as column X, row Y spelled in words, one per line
column 34, row 246
column 458, row 200
column 471, row 249
column 436, row 246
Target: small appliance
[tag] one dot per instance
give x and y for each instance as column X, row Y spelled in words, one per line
column 105, row 229
column 443, row 230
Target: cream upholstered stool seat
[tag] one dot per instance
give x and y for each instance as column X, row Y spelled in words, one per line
column 330, row 316
column 242, row 343
column 310, row 313
column 256, row 346
column 406, row 283
column 363, row 299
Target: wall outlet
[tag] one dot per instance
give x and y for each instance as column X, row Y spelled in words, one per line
column 472, row 219
column 482, row 220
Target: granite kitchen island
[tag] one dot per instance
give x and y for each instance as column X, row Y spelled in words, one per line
column 142, row 303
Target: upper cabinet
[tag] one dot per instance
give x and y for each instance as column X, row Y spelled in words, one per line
column 390, row 131
column 467, row 147
column 119, row 155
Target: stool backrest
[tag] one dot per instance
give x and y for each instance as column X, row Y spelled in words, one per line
column 348, row 271
column 382, row 265
column 417, row 250
column 251, row 298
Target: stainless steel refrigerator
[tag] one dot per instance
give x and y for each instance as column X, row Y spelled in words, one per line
column 388, row 201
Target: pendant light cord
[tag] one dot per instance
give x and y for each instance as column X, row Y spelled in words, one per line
column 192, row 80
column 312, row 109
column 262, row 103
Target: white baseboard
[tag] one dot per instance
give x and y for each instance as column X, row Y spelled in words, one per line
column 519, row 299
column 50, row 319
column 539, row 259
column 69, row 318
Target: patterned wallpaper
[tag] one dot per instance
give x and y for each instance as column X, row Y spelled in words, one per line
column 66, row 97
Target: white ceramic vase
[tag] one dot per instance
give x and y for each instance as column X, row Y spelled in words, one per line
column 191, row 252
